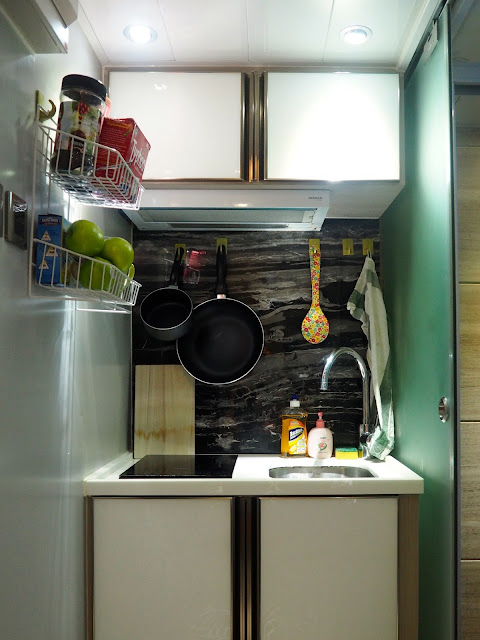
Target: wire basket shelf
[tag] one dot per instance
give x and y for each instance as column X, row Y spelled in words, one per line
column 72, row 275
column 91, row 173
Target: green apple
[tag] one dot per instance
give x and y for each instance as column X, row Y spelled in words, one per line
column 101, row 274
column 119, row 251
column 84, row 237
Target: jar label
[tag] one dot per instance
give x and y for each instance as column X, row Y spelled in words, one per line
column 80, row 120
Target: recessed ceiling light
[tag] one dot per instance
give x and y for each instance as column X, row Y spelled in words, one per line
column 140, row 33
column 356, row 34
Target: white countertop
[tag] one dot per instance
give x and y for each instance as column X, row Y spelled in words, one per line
column 251, row 477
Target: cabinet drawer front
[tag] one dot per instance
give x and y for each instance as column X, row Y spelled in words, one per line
column 162, row 568
column 321, row 560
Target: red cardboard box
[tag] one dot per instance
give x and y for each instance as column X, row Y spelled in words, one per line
column 124, row 136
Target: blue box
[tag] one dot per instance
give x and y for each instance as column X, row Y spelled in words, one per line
column 49, row 259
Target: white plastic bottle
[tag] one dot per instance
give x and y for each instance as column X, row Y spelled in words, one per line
column 320, row 440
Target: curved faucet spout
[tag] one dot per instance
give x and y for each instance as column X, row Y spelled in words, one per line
column 364, row 373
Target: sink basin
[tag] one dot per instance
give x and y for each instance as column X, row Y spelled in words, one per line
column 320, row 472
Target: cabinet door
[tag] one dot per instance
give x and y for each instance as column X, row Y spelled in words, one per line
column 193, row 121
column 162, row 569
column 328, row 568
column 332, row 126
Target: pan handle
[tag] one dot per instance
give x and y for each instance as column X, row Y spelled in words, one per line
column 221, row 287
column 175, row 272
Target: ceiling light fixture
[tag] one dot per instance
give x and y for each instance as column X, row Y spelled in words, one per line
column 140, row 33
column 356, row 34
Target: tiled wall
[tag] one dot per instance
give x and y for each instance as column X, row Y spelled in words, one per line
column 468, row 167
column 270, row 272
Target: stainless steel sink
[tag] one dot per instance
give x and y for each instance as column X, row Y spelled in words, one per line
column 320, row 472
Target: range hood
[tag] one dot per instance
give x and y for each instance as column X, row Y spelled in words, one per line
column 231, row 209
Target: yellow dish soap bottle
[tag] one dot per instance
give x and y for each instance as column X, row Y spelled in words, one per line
column 294, row 430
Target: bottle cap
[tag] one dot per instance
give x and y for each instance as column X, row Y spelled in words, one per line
column 320, row 414
column 294, row 402
column 75, row 81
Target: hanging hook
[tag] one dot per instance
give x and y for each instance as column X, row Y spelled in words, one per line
column 40, row 110
column 46, row 115
column 367, row 246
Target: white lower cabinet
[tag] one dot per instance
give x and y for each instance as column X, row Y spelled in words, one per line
column 162, row 569
column 328, row 568
column 247, row 568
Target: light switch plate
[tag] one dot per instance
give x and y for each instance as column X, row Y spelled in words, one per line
column 16, row 218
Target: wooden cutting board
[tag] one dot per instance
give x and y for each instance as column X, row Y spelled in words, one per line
column 164, row 410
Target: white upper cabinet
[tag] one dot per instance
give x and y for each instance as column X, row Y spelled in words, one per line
column 193, row 121
column 43, row 24
column 340, row 132
column 332, row 126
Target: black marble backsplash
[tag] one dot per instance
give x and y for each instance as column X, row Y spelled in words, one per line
column 270, row 272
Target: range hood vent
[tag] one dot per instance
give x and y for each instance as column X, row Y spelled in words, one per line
column 231, row 209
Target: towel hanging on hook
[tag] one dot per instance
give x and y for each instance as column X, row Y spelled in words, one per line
column 366, row 304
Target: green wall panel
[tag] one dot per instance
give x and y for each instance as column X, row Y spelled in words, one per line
column 418, row 265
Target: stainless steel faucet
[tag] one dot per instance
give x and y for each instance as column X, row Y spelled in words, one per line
column 363, row 436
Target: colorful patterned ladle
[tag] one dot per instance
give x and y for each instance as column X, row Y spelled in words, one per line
column 315, row 324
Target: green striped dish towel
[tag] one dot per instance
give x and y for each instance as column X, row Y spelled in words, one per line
column 366, row 304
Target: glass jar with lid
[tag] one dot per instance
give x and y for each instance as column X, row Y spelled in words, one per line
column 82, row 103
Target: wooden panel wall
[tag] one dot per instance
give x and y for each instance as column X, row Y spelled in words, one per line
column 470, row 351
column 468, row 198
column 471, row 491
column 468, row 176
column 470, row 599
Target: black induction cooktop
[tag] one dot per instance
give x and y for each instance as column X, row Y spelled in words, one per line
column 189, row 466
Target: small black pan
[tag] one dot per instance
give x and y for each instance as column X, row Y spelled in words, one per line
column 226, row 337
column 166, row 313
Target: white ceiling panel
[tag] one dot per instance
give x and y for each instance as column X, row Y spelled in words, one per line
column 284, row 31
column 386, row 20
column 257, row 32
column 107, row 20
column 211, row 31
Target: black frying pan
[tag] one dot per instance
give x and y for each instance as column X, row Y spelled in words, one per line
column 226, row 337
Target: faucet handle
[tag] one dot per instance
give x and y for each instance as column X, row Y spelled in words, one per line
column 366, row 437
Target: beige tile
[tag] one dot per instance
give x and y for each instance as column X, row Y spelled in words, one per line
column 470, row 483
column 470, row 352
column 470, row 599
column 468, row 136
column 468, row 199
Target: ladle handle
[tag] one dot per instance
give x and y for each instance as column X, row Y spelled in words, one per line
column 175, row 272
column 221, row 290
column 315, row 271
